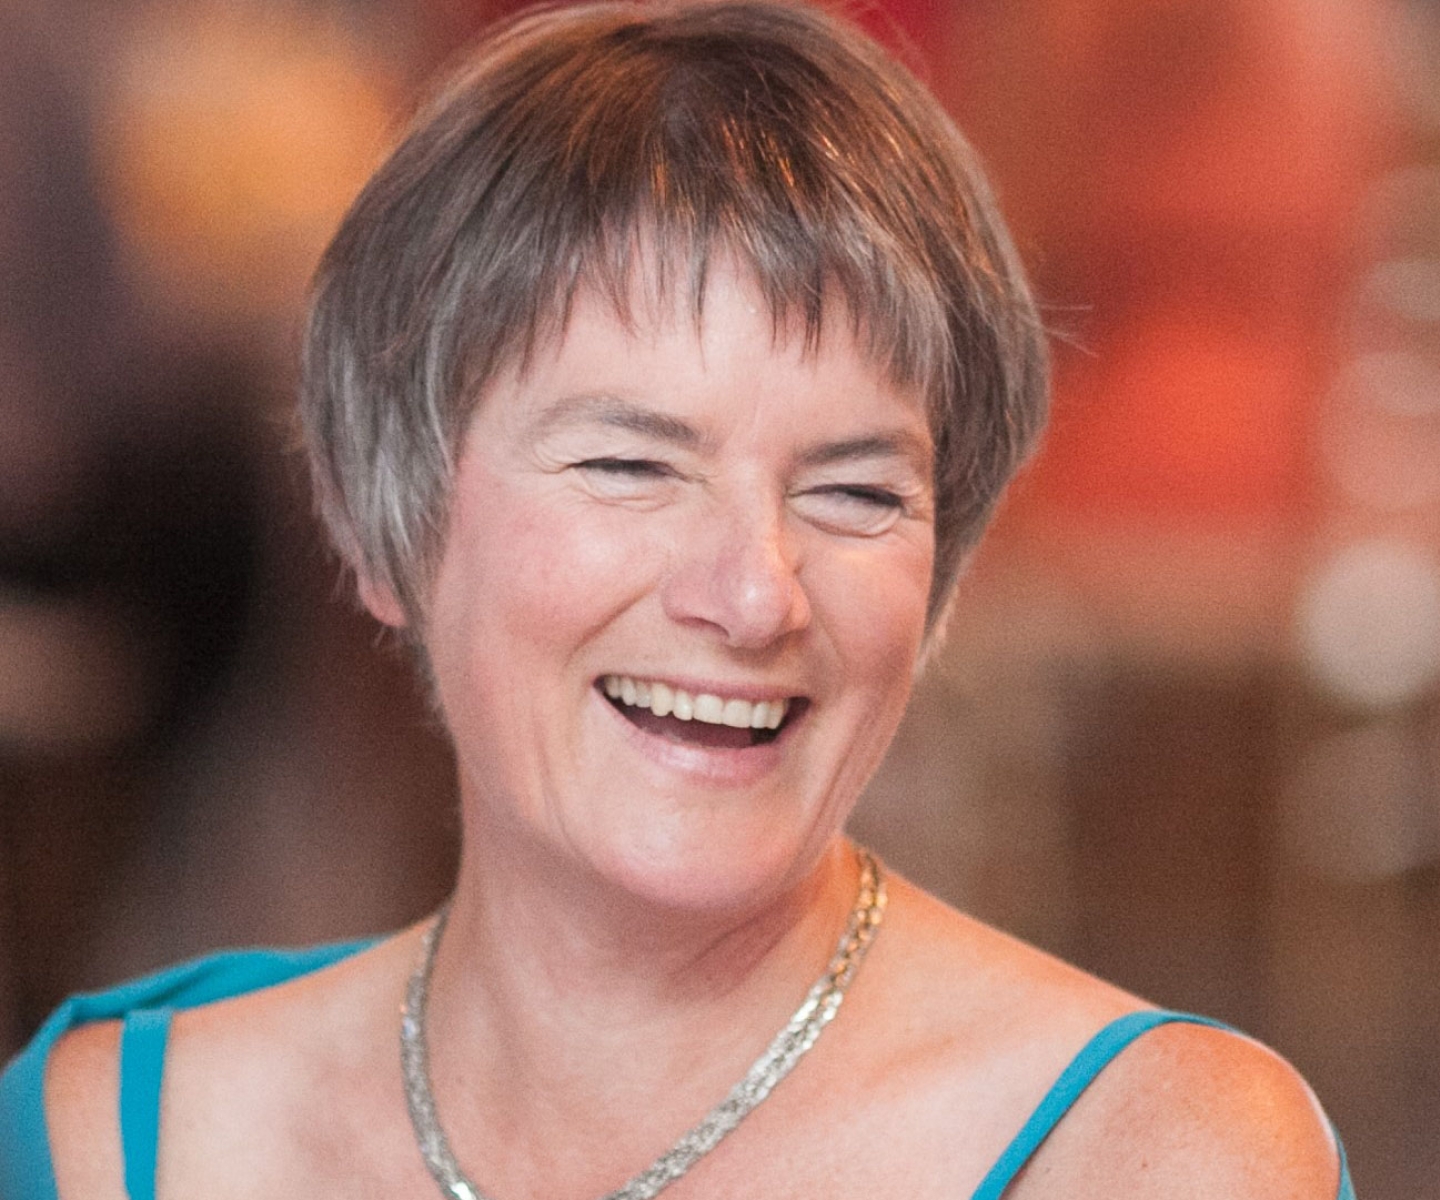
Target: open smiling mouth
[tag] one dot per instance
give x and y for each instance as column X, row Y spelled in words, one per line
column 702, row 719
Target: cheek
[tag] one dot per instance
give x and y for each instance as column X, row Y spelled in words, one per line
column 876, row 604
column 877, row 622
column 539, row 570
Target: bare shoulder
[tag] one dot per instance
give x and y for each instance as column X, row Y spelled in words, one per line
column 977, row 1026
column 963, row 973
column 82, row 1099
column 1190, row 1111
column 1185, row 1111
column 250, row 1081
column 236, row 1072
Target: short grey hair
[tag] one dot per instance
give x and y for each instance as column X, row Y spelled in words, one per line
column 767, row 132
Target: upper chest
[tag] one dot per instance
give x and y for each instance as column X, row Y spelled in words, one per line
column 837, row 1137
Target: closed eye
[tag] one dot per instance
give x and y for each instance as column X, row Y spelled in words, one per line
column 879, row 497
column 851, row 509
column 641, row 468
column 644, row 467
column 643, row 481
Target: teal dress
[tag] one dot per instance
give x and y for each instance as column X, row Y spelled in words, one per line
column 145, row 1007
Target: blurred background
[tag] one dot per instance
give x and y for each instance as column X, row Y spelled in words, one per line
column 1186, row 727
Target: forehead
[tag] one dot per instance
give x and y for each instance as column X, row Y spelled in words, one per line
column 684, row 312
column 725, row 333
column 723, row 382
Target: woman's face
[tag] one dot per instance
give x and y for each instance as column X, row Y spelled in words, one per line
column 710, row 522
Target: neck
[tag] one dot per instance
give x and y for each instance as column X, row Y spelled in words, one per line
column 568, row 997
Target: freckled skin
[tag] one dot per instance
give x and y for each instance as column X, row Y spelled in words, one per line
column 736, row 557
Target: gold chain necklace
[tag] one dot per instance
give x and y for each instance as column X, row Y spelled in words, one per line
column 788, row 1047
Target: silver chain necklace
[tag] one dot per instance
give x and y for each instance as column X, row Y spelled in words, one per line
column 790, row 1044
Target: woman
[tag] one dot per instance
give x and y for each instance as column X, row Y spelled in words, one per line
column 656, row 388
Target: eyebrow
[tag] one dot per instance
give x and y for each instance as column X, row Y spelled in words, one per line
column 604, row 409
column 613, row 411
column 899, row 444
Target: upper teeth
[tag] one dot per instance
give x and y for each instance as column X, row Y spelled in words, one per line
column 666, row 701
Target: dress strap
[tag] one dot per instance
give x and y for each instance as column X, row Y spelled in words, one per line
column 1073, row 1081
column 143, row 1036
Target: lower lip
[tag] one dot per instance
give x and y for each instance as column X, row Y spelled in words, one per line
column 713, row 765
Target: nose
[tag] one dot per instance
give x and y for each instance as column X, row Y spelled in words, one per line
column 738, row 575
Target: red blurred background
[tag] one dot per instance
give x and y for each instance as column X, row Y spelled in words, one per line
column 1186, row 727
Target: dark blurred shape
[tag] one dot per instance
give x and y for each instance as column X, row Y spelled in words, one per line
column 127, row 532
column 196, row 745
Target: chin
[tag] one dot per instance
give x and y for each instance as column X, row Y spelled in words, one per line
column 715, row 870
